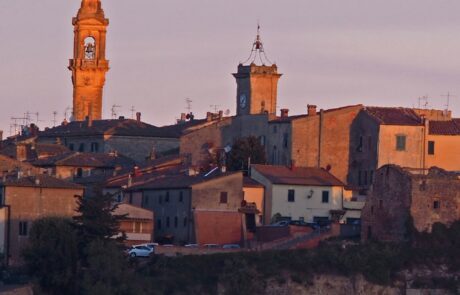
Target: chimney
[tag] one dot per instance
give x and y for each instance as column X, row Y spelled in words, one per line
column 138, row 116
column 1, row 135
column 121, row 118
column 284, row 113
column 209, row 116
column 89, row 121
column 22, row 152
column 311, row 110
column 183, row 117
column 221, row 115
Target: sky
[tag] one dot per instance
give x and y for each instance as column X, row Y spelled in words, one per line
column 331, row 53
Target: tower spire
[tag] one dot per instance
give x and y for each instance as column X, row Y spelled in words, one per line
column 258, row 52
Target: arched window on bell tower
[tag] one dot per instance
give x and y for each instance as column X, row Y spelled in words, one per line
column 90, row 48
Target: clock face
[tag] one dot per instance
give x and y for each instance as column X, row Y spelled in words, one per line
column 243, row 100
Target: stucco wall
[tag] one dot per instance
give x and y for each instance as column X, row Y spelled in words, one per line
column 446, row 152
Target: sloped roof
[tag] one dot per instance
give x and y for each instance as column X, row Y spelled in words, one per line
column 179, row 181
column 394, row 116
column 451, row 127
column 40, row 180
column 249, row 182
column 133, row 212
column 38, row 150
column 119, row 127
column 76, row 159
column 298, row 175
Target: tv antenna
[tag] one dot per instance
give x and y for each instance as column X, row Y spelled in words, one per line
column 67, row 109
column 188, row 102
column 425, row 100
column 215, row 107
column 54, row 118
column 133, row 110
column 114, row 110
column 448, row 96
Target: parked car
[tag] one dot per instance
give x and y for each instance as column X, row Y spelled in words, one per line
column 149, row 245
column 231, row 246
column 140, row 251
column 211, row 246
column 191, row 246
column 281, row 223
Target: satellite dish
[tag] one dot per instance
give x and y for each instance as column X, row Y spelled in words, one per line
column 227, row 149
column 227, row 112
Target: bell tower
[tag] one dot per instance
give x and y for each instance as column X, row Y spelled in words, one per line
column 89, row 65
column 257, row 85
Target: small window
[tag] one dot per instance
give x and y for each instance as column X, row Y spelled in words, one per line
column 71, row 147
column 372, row 210
column 176, row 222
column 94, row 147
column 223, row 197
column 400, row 142
column 167, row 197
column 291, row 195
column 159, row 223
column 79, row 173
column 23, row 228
column 81, row 148
column 130, row 199
column 285, row 140
column 430, row 147
column 167, row 221
column 365, row 177
column 185, row 221
column 325, row 197
column 275, row 128
column 436, row 204
column 262, row 140
column 360, row 144
column 181, row 196
column 380, row 204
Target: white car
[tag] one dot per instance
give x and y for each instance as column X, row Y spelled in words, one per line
column 140, row 251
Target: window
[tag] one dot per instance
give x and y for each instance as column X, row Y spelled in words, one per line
column 275, row 128
column 365, row 177
column 291, row 195
column 371, row 177
column 430, row 147
column 400, row 142
column 167, row 197
column 81, row 148
column 79, row 173
column 262, row 140
column 160, row 199
column 137, row 227
column 90, row 48
column 436, row 204
column 369, row 143
column 71, row 147
column 372, row 210
column 275, row 151
column 181, row 196
column 94, row 147
column 325, row 197
column 185, row 221
column 223, row 197
column 176, row 222
column 145, row 201
column 380, row 204
column 285, row 140
column 159, row 223
column 360, row 144
column 359, row 177
column 23, row 228
column 167, row 221
column 130, row 199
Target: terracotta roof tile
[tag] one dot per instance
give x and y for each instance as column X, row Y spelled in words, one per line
column 76, row 159
column 133, row 212
column 43, row 181
column 298, row 176
column 451, row 127
column 394, row 116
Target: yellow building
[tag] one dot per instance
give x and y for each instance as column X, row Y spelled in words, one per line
column 443, row 145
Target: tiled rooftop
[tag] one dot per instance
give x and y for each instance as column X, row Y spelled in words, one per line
column 394, row 116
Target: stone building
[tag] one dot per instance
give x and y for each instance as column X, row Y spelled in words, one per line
column 300, row 193
column 25, row 199
column 194, row 208
column 442, row 147
column 133, row 138
column 137, row 225
column 400, row 196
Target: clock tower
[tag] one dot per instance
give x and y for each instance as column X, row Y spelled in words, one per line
column 89, row 65
column 257, row 85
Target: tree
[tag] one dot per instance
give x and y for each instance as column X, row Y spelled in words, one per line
column 243, row 149
column 52, row 255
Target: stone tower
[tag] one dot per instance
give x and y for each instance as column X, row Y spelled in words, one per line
column 89, row 65
column 257, row 85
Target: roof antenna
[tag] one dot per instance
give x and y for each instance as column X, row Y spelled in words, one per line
column 448, row 96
